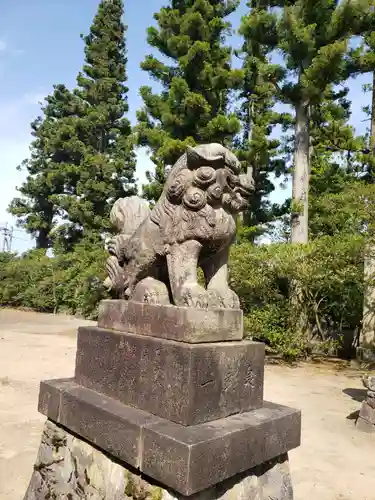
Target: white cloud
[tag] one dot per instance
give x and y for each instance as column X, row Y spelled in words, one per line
column 3, row 45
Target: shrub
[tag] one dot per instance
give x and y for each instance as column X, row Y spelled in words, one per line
column 71, row 282
column 329, row 273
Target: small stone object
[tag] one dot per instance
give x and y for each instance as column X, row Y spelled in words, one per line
column 366, row 418
column 155, row 256
column 67, row 467
column 369, row 382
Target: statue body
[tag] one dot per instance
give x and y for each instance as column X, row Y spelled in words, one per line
column 156, row 254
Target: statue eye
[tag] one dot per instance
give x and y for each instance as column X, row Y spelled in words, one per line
column 204, row 176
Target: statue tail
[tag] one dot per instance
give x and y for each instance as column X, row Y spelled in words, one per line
column 127, row 214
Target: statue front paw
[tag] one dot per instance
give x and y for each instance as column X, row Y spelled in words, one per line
column 151, row 291
column 193, row 296
column 223, row 299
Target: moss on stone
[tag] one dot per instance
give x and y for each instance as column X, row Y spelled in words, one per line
column 156, row 493
column 138, row 489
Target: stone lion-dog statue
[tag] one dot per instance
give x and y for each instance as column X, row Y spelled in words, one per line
column 155, row 256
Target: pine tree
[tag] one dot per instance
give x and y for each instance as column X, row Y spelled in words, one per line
column 83, row 156
column 363, row 61
column 196, row 80
column 313, row 37
column 107, row 162
column 257, row 148
column 35, row 209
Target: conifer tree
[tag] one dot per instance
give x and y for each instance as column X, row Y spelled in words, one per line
column 314, row 38
column 35, row 209
column 363, row 61
column 256, row 147
column 83, row 156
column 107, row 163
column 196, row 79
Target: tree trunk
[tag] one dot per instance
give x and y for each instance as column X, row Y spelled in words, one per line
column 43, row 239
column 372, row 139
column 367, row 336
column 301, row 176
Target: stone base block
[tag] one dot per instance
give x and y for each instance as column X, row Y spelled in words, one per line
column 69, row 468
column 186, row 459
column 185, row 383
column 364, row 426
column 183, row 324
column 367, row 413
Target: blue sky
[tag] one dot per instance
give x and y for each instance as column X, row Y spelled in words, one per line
column 40, row 46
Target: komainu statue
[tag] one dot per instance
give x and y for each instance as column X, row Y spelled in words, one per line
column 155, row 256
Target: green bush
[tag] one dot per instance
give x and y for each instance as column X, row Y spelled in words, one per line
column 71, row 282
column 328, row 272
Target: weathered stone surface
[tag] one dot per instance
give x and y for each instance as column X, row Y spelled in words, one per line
column 365, row 426
column 191, row 225
column 170, row 322
column 49, row 396
column 185, row 383
column 103, row 421
column 369, row 382
column 367, row 413
column 187, row 459
column 69, row 468
column 192, row 459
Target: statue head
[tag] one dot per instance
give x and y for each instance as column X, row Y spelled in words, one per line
column 210, row 175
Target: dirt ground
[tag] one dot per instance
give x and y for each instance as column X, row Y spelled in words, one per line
column 334, row 462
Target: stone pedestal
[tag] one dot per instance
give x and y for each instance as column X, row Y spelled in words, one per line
column 188, row 415
column 69, row 468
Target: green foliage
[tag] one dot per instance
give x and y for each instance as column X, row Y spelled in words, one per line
column 70, row 283
column 256, row 147
column 329, row 272
column 49, row 167
column 313, row 38
column 196, row 80
column 350, row 210
column 82, row 158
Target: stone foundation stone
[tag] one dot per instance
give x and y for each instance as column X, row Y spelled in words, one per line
column 68, row 468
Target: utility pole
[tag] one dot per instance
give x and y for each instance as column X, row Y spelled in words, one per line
column 7, row 234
